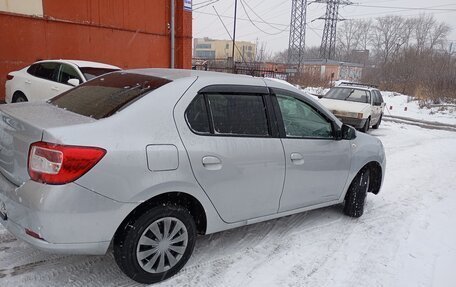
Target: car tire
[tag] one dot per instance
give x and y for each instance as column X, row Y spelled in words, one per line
column 143, row 256
column 378, row 123
column 356, row 194
column 365, row 128
column 19, row 97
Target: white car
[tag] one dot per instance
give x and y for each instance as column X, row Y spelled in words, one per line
column 358, row 105
column 44, row 80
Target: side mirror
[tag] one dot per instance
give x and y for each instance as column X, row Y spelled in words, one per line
column 348, row 132
column 73, row 82
column 320, row 96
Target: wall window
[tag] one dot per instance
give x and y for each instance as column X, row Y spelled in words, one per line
column 205, row 54
column 203, row 46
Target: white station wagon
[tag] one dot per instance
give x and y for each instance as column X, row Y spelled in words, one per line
column 358, row 105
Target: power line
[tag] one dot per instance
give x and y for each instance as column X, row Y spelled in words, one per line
column 407, row 8
column 259, row 17
column 253, row 23
column 239, row 18
column 209, row 2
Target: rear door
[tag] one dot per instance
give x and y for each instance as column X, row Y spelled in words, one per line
column 234, row 149
column 317, row 165
column 44, row 81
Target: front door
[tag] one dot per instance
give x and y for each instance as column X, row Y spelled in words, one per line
column 317, row 165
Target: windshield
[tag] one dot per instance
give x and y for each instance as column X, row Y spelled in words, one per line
column 106, row 95
column 348, row 94
column 90, row 72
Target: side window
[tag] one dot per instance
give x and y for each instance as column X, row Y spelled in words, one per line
column 32, row 69
column 197, row 116
column 236, row 114
column 301, row 120
column 379, row 96
column 47, row 71
column 66, row 73
column 360, row 96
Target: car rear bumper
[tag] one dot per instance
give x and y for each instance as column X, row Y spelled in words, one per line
column 63, row 218
column 354, row 122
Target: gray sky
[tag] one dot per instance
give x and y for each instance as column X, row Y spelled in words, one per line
column 277, row 12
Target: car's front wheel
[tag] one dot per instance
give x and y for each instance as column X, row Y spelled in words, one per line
column 155, row 245
column 356, row 194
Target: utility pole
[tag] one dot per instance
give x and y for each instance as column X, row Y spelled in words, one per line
column 234, row 36
column 328, row 39
column 296, row 41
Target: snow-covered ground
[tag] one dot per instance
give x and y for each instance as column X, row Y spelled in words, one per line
column 405, row 106
column 407, row 236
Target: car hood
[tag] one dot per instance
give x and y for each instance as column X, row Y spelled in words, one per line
column 344, row 106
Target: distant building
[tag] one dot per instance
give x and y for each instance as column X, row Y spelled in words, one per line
column 211, row 49
column 333, row 70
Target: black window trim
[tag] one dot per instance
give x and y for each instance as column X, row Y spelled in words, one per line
column 271, row 120
column 279, row 118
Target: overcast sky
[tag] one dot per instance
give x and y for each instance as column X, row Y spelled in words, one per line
column 277, row 13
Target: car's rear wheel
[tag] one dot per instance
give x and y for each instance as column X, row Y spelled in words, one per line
column 365, row 128
column 19, row 97
column 155, row 245
column 356, row 194
column 378, row 123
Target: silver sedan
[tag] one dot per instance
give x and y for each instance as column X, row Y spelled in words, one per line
column 147, row 159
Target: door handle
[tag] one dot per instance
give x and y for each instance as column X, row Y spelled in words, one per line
column 297, row 158
column 55, row 89
column 212, row 163
column 28, row 82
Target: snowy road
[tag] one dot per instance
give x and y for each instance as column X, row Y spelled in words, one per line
column 407, row 236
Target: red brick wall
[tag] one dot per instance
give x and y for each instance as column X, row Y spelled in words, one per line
column 126, row 33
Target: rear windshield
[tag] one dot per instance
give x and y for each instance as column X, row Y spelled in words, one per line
column 107, row 94
column 90, row 73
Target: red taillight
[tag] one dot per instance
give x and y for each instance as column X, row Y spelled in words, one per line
column 33, row 234
column 9, row 77
column 60, row 164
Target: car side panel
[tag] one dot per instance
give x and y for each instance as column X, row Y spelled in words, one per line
column 249, row 181
column 123, row 174
column 365, row 149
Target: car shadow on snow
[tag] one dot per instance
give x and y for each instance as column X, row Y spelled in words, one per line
column 22, row 263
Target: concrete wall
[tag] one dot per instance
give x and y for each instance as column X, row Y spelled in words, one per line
column 126, row 33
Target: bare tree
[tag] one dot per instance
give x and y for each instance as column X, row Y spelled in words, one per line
column 347, row 38
column 262, row 54
column 365, row 34
column 388, row 37
column 438, row 35
column 423, row 26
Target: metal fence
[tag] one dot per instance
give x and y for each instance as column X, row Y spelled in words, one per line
column 226, row 66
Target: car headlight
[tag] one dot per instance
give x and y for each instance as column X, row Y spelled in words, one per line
column 348, row 114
